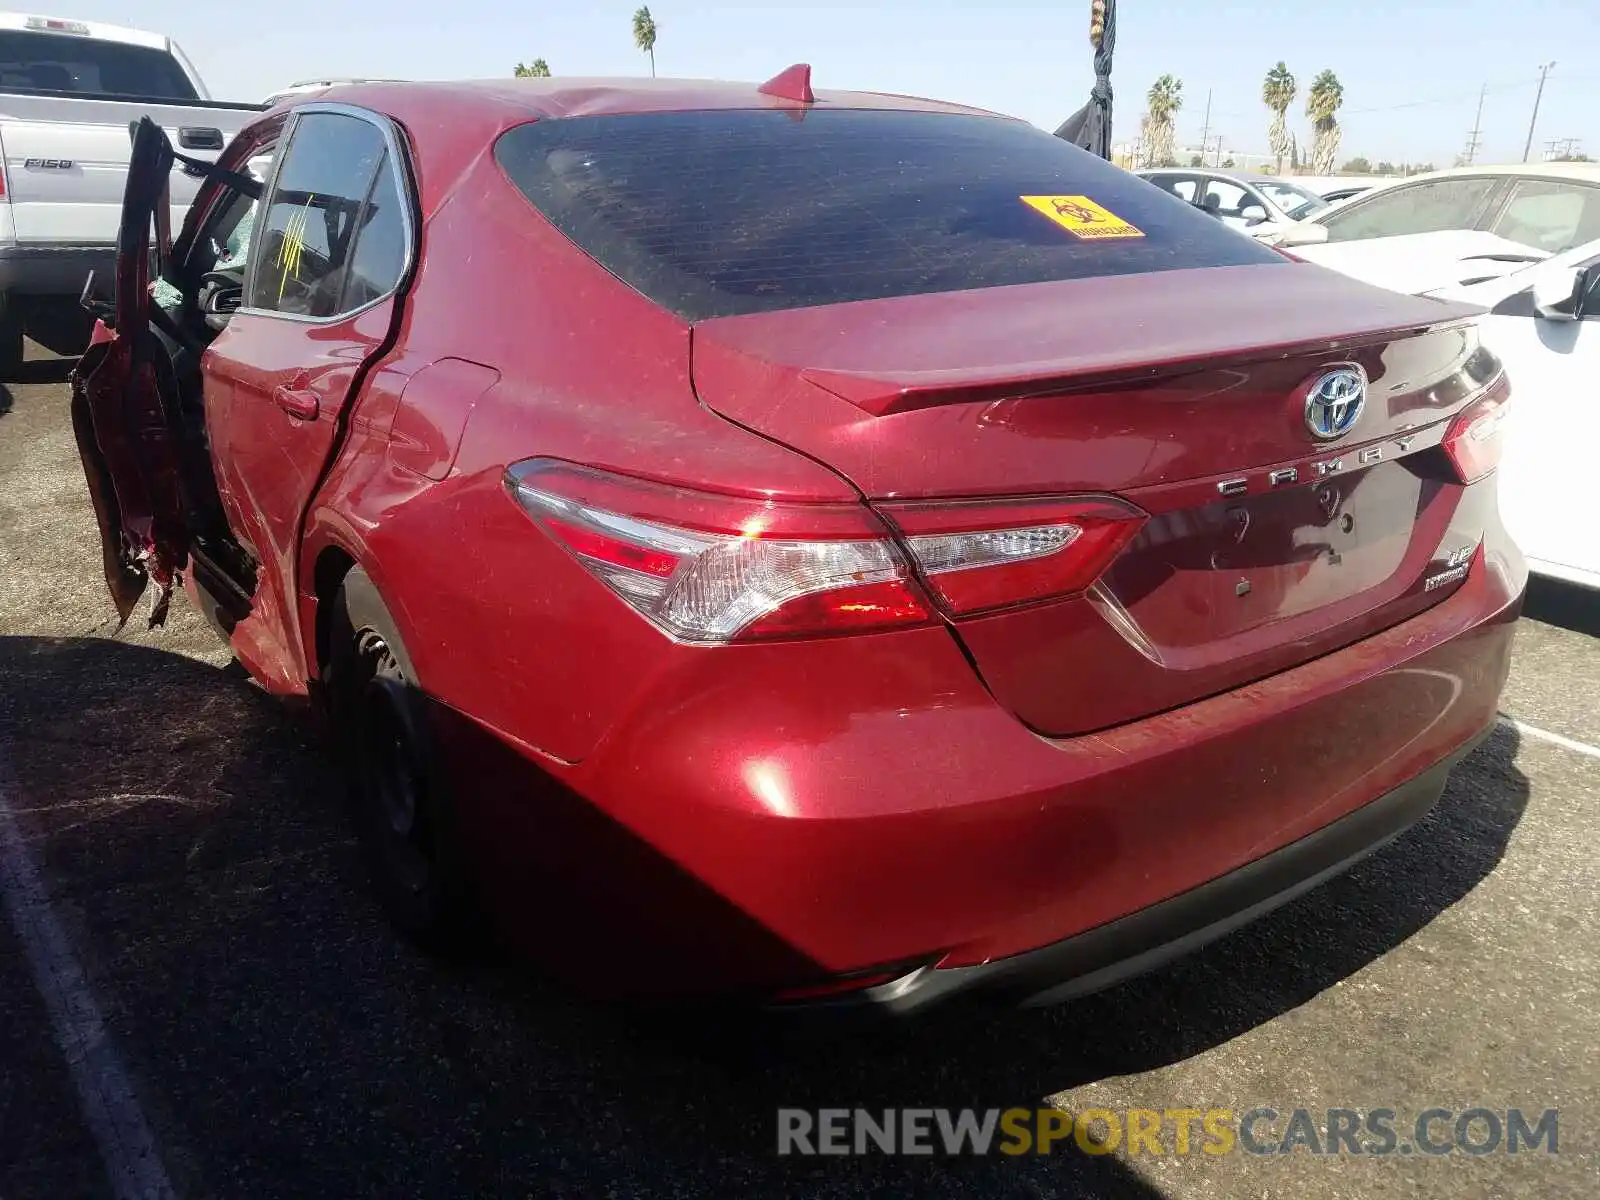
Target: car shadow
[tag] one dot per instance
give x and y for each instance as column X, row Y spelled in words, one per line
column 287, row 1043
column 1554, row 602
column 43, row 370
column 33, row 371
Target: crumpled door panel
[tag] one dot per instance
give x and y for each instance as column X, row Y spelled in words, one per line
column 126, row 437
column 130, row 464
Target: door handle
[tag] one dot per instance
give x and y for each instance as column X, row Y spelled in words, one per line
column 300, row 405
column 199, row 137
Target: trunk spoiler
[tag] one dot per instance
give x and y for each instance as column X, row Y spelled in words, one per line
column 1028, row 339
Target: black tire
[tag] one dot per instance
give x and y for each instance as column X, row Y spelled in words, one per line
column 10, row 341
column 398, row 797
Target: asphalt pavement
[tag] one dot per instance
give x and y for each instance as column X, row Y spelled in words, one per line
column 198, row 994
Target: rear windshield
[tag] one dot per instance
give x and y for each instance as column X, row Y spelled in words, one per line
column 89, row 67
column 727, row 212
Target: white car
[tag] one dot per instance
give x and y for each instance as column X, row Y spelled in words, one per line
column 1524, row 243
column 1334, row 188
column 317, row 85
column 1258, row 205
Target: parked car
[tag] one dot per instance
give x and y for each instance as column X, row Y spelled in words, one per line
column 68, row 92
column 1255, row 204
column 1334, row 188
column 1524, row 243
column 850, row 559
column 316, row 85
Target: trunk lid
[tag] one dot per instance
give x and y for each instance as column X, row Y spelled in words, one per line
column 1181, row 391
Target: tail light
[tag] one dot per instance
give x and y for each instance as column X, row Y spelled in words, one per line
column 711, row 569
column 994, row 554
column 1473, row 441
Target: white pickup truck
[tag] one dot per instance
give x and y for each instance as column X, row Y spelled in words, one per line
column 69, row 91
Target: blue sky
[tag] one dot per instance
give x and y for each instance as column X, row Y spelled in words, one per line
column 1411, row 68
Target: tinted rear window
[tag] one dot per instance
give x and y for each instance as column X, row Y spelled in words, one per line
column 64, row 62
column 720, row 213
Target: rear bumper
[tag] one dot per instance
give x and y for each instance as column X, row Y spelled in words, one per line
column 776, row 816
column 1142, row 941
column 54, row 271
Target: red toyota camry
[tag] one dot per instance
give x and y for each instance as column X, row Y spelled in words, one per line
column 818, row 548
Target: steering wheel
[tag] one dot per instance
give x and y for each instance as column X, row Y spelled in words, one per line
column 221, row 293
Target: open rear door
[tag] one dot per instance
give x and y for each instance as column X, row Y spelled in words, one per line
column 126, row 435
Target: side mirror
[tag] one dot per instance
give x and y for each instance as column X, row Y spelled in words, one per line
column 1556, row 294
column 1253, row 214
column 1304, row 233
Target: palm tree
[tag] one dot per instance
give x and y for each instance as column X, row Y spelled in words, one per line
column 644, row 35
column 1277, row 93
column 1163, row 101
column 539, row 70
column 1324, row 99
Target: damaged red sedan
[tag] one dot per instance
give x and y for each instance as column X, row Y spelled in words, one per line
column 819, row 548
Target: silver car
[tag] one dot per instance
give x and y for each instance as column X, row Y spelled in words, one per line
column 1255, row 204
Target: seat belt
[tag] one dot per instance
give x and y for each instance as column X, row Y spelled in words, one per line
column 236, row 180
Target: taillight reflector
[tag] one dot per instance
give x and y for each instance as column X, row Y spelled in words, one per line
column 1473, row 441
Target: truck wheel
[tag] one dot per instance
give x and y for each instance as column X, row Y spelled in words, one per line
column 399, row 799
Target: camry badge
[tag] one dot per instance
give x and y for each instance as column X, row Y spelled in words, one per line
column 1334, row 403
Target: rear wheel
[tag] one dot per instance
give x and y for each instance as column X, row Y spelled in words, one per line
column 401, row 807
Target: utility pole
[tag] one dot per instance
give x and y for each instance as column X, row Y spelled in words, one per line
column 1219, row 149
column 1537, row 96
column 1475, row 138
column 1205, row 130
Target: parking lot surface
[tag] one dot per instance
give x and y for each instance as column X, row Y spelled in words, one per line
column 173, row 851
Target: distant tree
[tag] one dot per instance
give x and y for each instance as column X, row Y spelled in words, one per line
column 538, row 70
column 1387, row 168
column 1163, row 101
column 644, row 35
column 1572, row 158
column 1357, row 166
column 1196, row 160
column 1277, row 93
column 1322, row 102
column 1229, row 163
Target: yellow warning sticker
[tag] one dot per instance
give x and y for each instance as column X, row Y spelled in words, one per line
column 1082, row 217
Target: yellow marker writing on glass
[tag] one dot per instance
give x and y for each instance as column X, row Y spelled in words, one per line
column 292, row 248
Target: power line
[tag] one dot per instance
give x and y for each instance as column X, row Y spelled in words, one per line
column 1486, row 90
